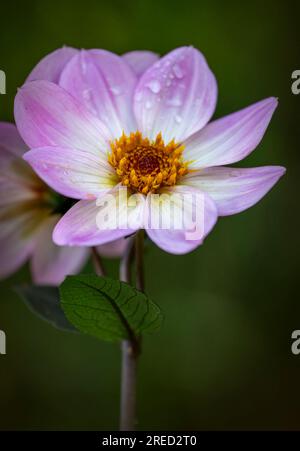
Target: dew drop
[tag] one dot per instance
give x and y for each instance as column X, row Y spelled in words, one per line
column 86, row 94
column 175, row 101
column 154, row 86
column 178, row 119
column 148, row 105
column 178, row 71
column 116, row 90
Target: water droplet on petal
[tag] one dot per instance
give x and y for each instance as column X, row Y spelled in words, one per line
column 175, row 101
column 148, row 105
column 154, row 86
column 86, row 94
column 178, row 71
column 116, row 90
column 178, row 118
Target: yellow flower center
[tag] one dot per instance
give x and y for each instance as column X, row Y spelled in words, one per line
column 145, row 166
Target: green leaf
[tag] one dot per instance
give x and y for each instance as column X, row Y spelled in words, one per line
column 44, row 302
column 107, row 308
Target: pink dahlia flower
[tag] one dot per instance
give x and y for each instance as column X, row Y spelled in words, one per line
column 105, row 121
column 29, row 211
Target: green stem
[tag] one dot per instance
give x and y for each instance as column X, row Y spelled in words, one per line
column 130, row 348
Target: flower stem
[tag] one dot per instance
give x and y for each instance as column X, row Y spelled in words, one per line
column 125, row 265
column 130, row 348
column 139, row 258
column 128, row 386
column 97, row 262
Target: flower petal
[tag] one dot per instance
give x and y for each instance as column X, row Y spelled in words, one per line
column 72, row 172
column 235, row 189
column 140, row 60
column 18, row 231
column 10, row 140
column 51, row 66
column 104, row 83
column 50, row 264
column 46, row 115
column 113, row 249
column 184, row 219
column 230, row 138
column 91, row 223
column 176, row 96
column 17, row 180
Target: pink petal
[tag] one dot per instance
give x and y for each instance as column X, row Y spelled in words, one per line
column 10, row 140
column 51, row 66
column 18, row 230
column 46, row 115
column 230, row 138
column 50, row 264
column 114, row 249
column 72, row 172
column 140, row 60
column 104, row 83
column 183, row 236
column 235, row 189
column 17, row 180
column 176, row 96
column 80, row 225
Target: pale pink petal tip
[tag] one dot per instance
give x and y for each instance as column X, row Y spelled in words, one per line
column 235, row 189
column 51, row 66
column 230, row 138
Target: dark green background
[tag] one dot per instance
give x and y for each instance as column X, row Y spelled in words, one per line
column 223, row 358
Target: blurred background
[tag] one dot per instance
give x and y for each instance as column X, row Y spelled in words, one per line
column 223, row 358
